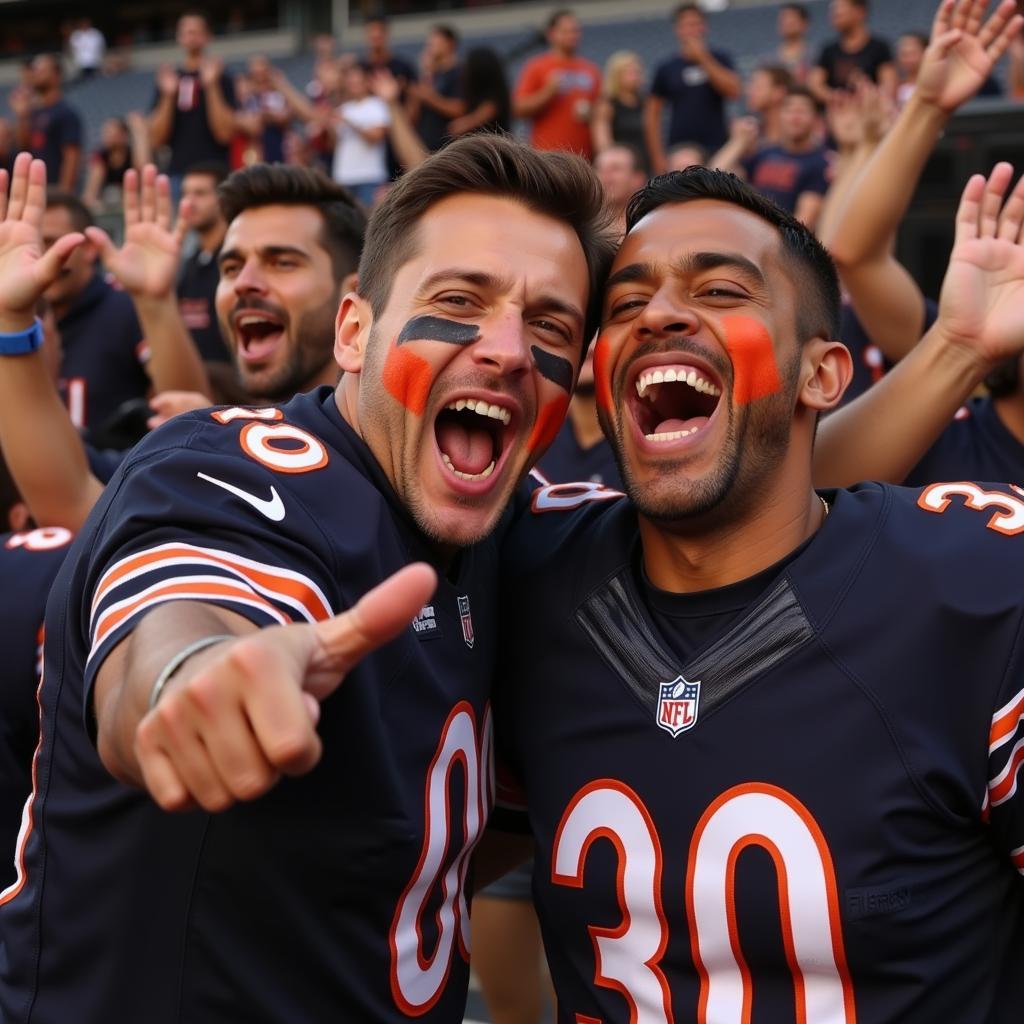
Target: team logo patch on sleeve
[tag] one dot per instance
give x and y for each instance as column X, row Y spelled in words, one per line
column 677, row 705
column 467, row 621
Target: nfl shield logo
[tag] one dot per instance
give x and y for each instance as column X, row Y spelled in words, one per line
column 467, row 621
column 677, row 705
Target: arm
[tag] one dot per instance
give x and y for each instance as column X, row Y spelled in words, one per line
column 722, row 78
column 487, row 111
column 69, row 157
column 532, row 97
column 249, row 702
column 817, row 82
column 601, row 125
column 652, row 133
column 41, row 446
column 161, row 117
column 808, row 208
column 299, row 103
column 884, row 433
column 956, row 64
column 743, row 133
column 139, row 137
column 146, row 266
column 407, row 144
column 448, row 106
column 888, row 79
column 220, row 115
column 93, row 183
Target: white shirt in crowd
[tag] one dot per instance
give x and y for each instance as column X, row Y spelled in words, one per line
column 356, row 161
column 87, row 46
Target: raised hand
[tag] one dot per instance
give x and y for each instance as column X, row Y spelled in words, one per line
column 146, row 265
column 167, row 80
column 962, row 51
column 210, row 70
column 172, row 403
column 26, row 271
column 385, row 85
column 981, row 306
column 228, row 730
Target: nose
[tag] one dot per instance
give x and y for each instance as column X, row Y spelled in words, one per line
column 503, row 346
column 666, row 314
column 249, row 279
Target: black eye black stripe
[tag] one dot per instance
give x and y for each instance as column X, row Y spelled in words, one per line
column 436, row 328
column 556, row 369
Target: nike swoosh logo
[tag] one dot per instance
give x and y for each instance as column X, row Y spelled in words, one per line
column 272, row 507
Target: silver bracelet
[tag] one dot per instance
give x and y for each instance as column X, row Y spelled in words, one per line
column 178, row 660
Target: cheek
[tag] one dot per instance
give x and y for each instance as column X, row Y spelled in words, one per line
column 407, row 378
column 549, row 422
column 602, row 375
column 756, row 373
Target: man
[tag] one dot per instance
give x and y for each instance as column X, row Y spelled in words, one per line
column 477, row 293
column 193, row 110
column 720, row 651
column 620, row 171
column 695, row 84
column 557, row 90
column 48, row 126
column 87, row 46
column 792, row 52
column 439, row 89
column 379, row 57
column 766, row 92
column 856, row 53
column 197, row 282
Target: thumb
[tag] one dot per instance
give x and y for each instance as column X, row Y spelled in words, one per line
column 373, row 620
column 49, row 264
column 944, row 43
column 103, row 243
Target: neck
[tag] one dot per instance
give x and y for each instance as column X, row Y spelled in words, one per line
column 1010, row 410
column 803, row 145
column 770, row 124
column 49, row 95
column 583, row 419
column 684, row 557
column 854, row 37
column 192, row 61
column 327, row 374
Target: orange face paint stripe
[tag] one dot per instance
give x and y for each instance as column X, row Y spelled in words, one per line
column 755, row 371
column 407, row 378
column 549, row 422
column 602, row 380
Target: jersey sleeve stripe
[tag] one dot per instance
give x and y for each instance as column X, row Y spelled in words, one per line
column 1006, row 721
column 1004, row 785
column 1017, row 856
column 297, row 591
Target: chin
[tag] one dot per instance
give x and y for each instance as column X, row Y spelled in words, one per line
column 457, row 527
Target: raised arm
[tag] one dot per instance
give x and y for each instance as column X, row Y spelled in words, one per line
column 220, row 115
column 885, row 432
column 652, row 132
column 405, row 140
column 161, row 117
column 43, row 451
column 959, row 58
column 147, row 266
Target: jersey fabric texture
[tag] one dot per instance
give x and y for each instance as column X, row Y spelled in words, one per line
column 696, row 107
column 337, row 895
column 564, row 122
column 976, row 445
column 784, row 176
column 812, row 816
column 566, row 461
column 29, row 561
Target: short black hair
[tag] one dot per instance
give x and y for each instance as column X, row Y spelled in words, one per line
column 798, row 9
column 682, row 9
column 285, row 185
column 210, row 169
column 557, row 16
column 448, row 32
column 80, row 214
column 817, row 280
column 376, row 19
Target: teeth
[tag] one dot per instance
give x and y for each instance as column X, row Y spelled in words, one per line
column 652, row 377
column 494, row 412
column 247, row 321
column 671, row 435
column 468, row 476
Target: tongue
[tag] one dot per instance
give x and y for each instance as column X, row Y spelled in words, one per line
column 671, row 426
column 259, row 346
column 470, row 449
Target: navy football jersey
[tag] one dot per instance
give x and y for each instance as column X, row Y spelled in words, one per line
column 339, row 894
column 29, row 561
column 975, row 446
column 566, row 461
column 815, row 816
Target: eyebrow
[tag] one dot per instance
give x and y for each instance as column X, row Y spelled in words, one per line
column 264, row 251
column 693, row 263
column 481, row 279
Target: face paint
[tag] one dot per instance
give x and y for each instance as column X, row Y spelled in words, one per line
column 755, row 371
column 553, row 368
column 436, row 328
column 407, row 378
column 602, row 380
column 549, row 422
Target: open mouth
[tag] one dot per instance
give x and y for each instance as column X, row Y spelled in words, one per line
column 259, row 334
column 673, row 401
column 472, row 436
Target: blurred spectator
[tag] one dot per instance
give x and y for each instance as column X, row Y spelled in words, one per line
column 326, row 92
column 405, row 143
column 87, row 47
column 766, row 91
column 123, row 144
column 200, row 274
column 792, row 52
column 439, row 90
column 485, row 86
column 324, row 57
column 48, row 126
column 378, row 56
column 695, row 84
column 685, row 154
column 361, row 127
column 193, row 110
column 8, row 150
column 619, row 111
column 855, row 53
column 556, row 91
column 272, row 110
column 621, row 171
column 910, row 49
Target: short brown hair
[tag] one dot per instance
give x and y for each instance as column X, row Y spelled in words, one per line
column 559, row 185
column 285, row 185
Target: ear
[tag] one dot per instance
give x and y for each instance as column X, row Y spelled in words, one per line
column 352, row 332
column 826, row 372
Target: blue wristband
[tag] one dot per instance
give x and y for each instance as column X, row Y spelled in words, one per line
column 20, row 343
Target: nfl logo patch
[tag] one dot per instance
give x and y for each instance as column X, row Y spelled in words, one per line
column 467, row 621
column 677, row 705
